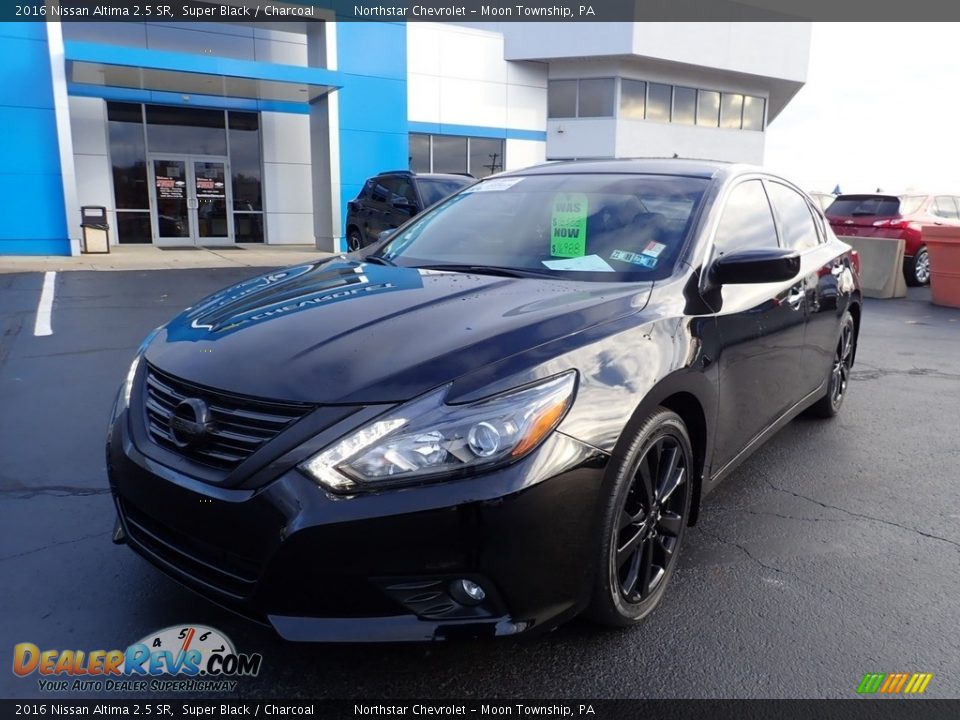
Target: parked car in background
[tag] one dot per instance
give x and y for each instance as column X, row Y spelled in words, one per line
column 822, row 199
column 391, row 198
column 896, row 216
column 501, row 417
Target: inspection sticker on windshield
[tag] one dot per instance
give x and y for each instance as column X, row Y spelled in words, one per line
column 496, row 185
column 653, row 249
column 634, row 258
column 568, row 225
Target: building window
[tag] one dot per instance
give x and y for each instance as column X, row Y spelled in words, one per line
column 449, row 154
column 731, row 110
column 456, row 154
column 641, row 100
column 486, row 156
column 753, row 112
column 186, row 129
column 247, row 175
column 135, row 130
column 128, row 156
column 633, row 99
column 595, row 98
column 684, row 106
column 708, row 108
column 562, row 98
column 419, row 153
column 658, row 102
column 587, row 98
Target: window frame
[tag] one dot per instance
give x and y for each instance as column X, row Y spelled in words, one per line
column 936, row 207
column 780, row 223
column 615, row 110
column 716, row 215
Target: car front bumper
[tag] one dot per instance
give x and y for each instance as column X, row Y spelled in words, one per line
column 379, row 566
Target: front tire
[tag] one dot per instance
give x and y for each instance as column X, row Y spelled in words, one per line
column 916, row 270
column 839, row 380
column 644, row 522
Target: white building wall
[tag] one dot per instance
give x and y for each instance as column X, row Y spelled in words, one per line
column 457, row 75
column 88, row 127
column 524, row 153
column 287, row 181
column 642, row 138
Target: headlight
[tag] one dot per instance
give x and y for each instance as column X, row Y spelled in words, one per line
column 428, row 438
column 127, row 386
column 128, row 382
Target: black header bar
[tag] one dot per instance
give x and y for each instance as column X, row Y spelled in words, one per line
column 478, row 10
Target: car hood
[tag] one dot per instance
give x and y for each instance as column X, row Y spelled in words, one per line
column 348, row 332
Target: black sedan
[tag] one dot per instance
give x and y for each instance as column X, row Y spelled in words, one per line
column 502, row 416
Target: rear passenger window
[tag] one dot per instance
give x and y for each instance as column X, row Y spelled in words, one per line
column 746, row 221
column 797, row 229
column 945, row 207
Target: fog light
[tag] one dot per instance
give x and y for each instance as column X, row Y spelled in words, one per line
column 467, row 592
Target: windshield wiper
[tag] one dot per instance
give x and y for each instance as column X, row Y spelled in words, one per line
column 377, row 260
column 490, row 270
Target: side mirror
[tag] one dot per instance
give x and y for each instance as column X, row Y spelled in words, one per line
column 404, row 205
column 762, row 265
column 384, row 234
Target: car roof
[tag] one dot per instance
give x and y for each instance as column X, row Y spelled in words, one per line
column 646, row 166
column 441, row 176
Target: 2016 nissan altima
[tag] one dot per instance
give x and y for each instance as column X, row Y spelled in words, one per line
column 503, row 415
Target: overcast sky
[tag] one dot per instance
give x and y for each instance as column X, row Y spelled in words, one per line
column 879, row 109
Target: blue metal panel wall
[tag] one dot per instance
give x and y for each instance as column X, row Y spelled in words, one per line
column 31, row 183
column 372, row 58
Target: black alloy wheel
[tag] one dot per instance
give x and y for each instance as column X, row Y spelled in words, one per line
column 839, row 380
column 645, row 522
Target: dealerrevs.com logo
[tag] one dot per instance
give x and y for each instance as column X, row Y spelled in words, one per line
column 180, row 658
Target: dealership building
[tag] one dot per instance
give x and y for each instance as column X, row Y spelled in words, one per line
column 216, row 134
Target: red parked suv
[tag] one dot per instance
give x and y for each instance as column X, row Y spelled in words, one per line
column 892, row 216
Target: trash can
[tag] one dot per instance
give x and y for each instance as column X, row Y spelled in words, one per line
column 943, row 249
column 96, row 231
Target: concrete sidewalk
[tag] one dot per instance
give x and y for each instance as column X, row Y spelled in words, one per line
column 149, row 257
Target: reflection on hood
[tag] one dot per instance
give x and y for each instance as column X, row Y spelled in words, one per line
column 293, row 290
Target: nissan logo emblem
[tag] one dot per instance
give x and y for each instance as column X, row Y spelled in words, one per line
column 190, row 422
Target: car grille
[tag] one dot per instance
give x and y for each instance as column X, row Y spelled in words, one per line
column 240, row 425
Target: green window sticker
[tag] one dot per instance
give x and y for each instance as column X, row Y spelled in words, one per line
column 568, row 225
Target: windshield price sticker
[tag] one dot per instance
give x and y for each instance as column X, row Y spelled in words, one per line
column 568, row 225
column 497, row 185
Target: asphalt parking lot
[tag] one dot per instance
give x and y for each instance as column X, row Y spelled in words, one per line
column 833, row 552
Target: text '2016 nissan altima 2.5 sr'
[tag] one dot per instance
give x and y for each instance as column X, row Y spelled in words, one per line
column 505, row 414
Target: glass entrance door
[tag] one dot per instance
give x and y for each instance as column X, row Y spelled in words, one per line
column 192, row 200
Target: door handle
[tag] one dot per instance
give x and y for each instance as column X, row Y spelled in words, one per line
column 795, row 297
column 193, row 203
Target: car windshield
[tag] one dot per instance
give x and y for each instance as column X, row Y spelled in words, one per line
column 433, row 190
column 592, row 227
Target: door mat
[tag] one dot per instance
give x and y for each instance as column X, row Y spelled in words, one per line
column 222, row 247
column 179, row 247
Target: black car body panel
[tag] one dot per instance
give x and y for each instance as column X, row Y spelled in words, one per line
column 350, row 340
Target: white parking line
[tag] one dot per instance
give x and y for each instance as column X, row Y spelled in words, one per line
column 45, row 307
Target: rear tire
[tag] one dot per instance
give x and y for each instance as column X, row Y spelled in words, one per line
column 916, row 270
column 644, row 522
column 354, row 239
column 838, row 382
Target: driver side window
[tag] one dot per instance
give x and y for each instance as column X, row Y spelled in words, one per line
column 747, row 221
